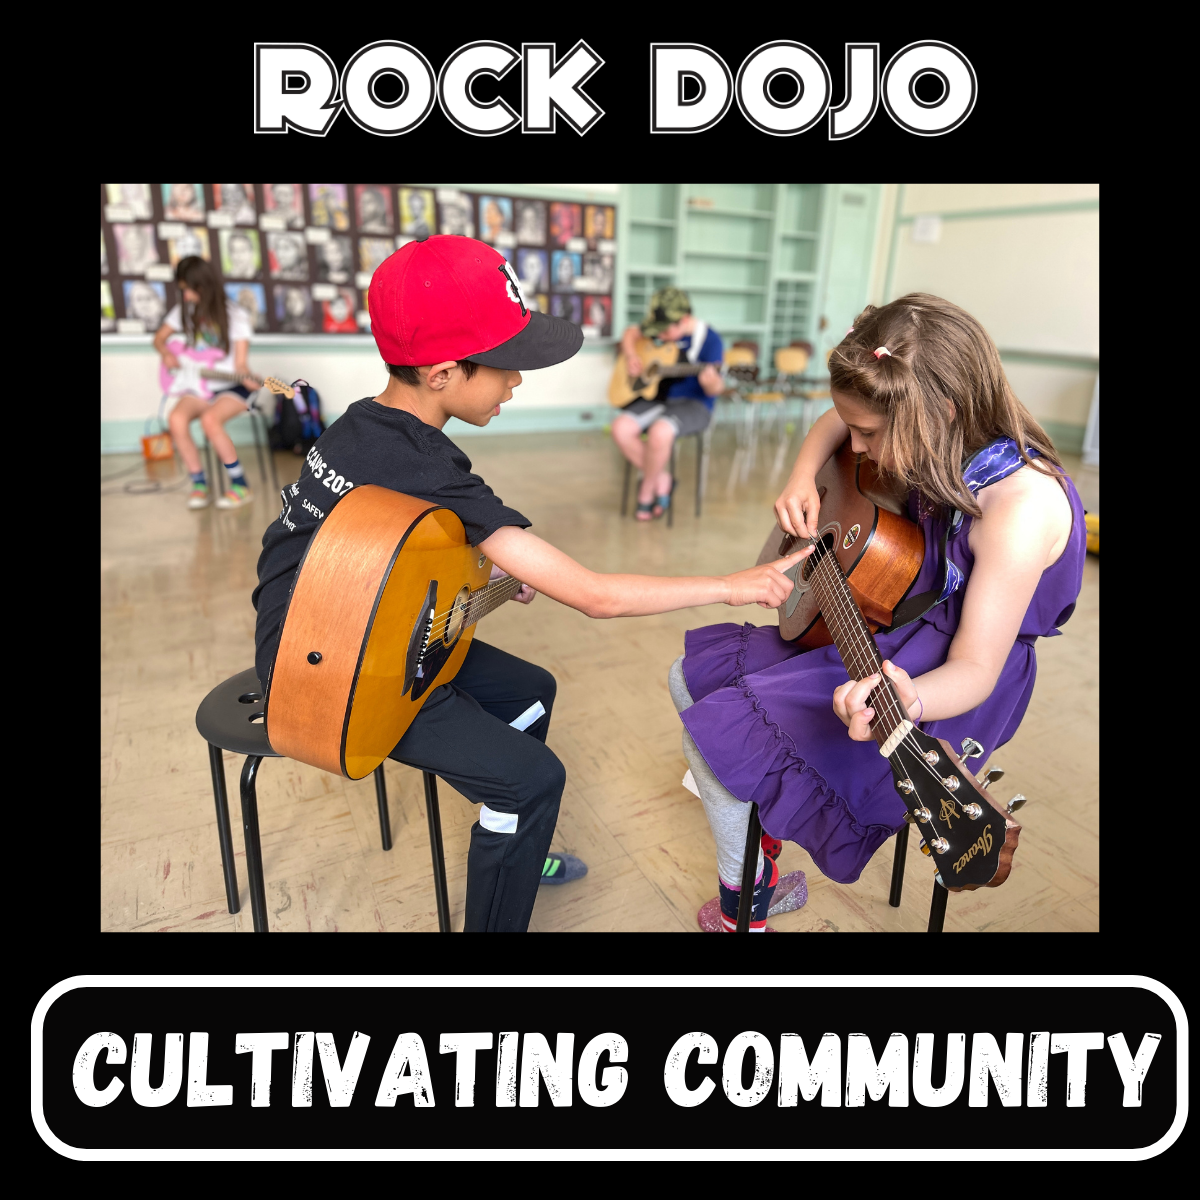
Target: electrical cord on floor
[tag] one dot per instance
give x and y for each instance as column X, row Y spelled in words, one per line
column 141, row 487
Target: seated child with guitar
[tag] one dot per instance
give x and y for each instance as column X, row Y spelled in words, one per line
column 213, row 349
column 684, row 400
column 918, row 388
column 455, row 332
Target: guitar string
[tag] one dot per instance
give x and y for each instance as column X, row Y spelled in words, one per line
column 856, row 652
column 440, row 621
column 864, row 650
column 492, row 588
column 870, row 651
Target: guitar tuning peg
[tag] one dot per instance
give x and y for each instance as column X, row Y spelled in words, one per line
column 990, row 777
column 1016, row 802
column 971, row 748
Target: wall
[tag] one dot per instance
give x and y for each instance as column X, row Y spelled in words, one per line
column 1025, row 260
column 554, row 398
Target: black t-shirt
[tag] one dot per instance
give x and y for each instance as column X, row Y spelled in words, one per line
column 369, row 443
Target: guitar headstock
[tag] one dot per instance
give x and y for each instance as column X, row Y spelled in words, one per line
column 970, row 841
column 279, row 387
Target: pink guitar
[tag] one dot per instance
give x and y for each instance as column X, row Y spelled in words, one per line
column 195, row 371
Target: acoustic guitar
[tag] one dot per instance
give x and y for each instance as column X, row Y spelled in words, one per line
column 382, row 611
column 659, row 362
column 867, row 557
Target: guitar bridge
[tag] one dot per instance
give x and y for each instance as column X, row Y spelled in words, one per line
column 424, row 646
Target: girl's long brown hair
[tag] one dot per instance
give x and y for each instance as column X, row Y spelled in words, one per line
column 939, row 353
column 194, row 272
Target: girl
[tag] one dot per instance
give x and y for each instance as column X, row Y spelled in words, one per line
column 918, row 387
column 206, row 318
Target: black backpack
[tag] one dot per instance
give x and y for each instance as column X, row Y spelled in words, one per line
column 298, row 422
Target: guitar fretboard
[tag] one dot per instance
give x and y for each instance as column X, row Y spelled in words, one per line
column 490, row 597
column 854, row 643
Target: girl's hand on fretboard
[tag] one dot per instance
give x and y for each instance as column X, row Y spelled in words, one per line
column 850, row 700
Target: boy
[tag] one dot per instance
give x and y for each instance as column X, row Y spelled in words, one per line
column 681, row 406
column 455, row 332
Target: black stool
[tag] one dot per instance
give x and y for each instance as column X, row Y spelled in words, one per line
column 703, row 445
column 230, row 717
column 937, row 906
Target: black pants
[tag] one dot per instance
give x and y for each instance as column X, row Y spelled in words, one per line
column 462, row 734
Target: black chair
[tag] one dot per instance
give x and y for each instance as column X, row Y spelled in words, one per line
column 937, row 906
column 230, row 717
column 703, row 447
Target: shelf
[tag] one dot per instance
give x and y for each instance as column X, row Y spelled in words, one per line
column 739, row 254
column 731, row 212
column 731, row 289
column 651, row 221
column 653, row 269
column 744, row 327
column 798, row 276
column 793, row 234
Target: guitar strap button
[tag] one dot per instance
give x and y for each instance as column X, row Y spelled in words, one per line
column 314, row 657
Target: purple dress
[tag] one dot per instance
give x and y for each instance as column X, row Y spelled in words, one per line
column 763, row 717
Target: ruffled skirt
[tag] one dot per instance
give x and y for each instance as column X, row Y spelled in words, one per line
column 763, row 719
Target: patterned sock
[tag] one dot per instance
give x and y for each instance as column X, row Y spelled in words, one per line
column 764, row 889
column 234, row 471
column 771, row 847
column 198, row 480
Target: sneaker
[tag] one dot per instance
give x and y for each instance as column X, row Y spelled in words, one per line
column 199, row 497
column 237, row 497
column 562, row 868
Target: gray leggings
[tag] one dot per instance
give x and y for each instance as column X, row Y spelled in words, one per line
column 728, row 816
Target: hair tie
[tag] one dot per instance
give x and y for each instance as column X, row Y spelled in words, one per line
column 881, row 351
column 848, row 332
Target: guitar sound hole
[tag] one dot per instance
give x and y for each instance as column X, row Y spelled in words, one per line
column 250, row 698
column 824, row 546
column 459, row 610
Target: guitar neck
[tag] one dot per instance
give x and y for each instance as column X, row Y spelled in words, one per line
column 488, row 598
column 680, row 370
column 226, row 376
column 857, row 647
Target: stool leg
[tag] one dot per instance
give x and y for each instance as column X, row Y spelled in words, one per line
column 671, row 505
column 749, row 870
column 385, row 825
column 898, row 867
column 270, row 455
column 224, row 833
column 625, row 488
column 702, row 443
column 254, row 866
column 258, row 450
column 937, row 908
column 435, row 848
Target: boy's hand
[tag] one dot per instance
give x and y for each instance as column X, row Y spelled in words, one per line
column 170, row 361
column 798, row 508
column 767, row 586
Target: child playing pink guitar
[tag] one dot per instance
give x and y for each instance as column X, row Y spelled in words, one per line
column 215, row 342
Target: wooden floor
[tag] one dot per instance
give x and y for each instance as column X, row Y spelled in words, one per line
column 176, row 620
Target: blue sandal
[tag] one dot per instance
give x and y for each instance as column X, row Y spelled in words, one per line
column 662, row 503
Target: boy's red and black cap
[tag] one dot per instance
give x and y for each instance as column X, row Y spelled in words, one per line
column 451, row 297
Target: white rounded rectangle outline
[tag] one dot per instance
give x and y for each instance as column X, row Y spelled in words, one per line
column 568, row 1154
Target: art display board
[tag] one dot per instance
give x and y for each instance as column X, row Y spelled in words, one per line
column 299, row 257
